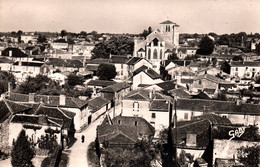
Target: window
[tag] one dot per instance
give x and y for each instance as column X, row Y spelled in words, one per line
column 236, row 68
column 122, row 66
column 246, row 68
column 119, row 122
column 155, row 54
column 153, row 115
column 149, row 54
column 186, row 115
column 199, row 82
column 136, row 106
column 135, row 123
column 161, row 54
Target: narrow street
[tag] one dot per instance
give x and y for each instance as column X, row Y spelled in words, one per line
column 78, row 155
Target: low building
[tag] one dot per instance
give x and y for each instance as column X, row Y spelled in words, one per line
column 144, row 76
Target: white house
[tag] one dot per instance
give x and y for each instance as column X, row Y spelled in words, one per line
column 244, row 69
column 145, row 76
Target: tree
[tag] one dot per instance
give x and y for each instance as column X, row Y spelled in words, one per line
column 74, row 80
column 120, row 45
column 106, row 71
column 41, row 39
column 19, row 33
column 33, row 84
column 258, row 49
column 173, row 56
column 8, row 77
column 145, row 33
column 214, row 61
column 83, row 33
column 237, row 58
column 22, row 153
column 206, row 46
column 223, row 39
column 63, row 33
column 249, row 156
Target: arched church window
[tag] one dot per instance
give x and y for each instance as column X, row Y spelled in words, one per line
column 155, row 54
column 149, row 54
column 161, row 54
column 155, row 42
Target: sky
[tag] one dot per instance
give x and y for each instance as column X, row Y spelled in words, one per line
column 130, row 16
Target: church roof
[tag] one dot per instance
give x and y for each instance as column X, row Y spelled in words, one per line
column 167, row 22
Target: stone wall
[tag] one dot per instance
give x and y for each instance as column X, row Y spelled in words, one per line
column 4, row 136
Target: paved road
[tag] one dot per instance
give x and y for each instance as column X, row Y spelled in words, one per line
column 78, row 155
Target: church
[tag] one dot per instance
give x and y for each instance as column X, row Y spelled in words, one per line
column 159, row 44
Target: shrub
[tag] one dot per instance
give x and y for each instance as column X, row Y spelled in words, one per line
column 22, row 152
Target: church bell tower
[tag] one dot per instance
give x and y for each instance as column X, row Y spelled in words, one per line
column 170, row 32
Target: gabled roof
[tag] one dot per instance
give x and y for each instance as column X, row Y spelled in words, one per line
column 56, row 112
column 102, row 83
column 159, row 105
column 98, row 61
column 49, row 100
column 115, row 87
column 245, row 64
column 151, row 73
column 201, row 95
column 8, row 108
column 119, row 59
column 180, row 93
column 210, row 78
column 217, row 106
column 60, row 41
column 35, row 120
column 138, row 95
column 15, row 52
column 31, row 64
column 124, row 130
column 140, row 69
column 5, row 60
column 167, row 85
column 97, row 103
column 199, row 126
column 65, row 62
column 167, row 22
column 134, row 60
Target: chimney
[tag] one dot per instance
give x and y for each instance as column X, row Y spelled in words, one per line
column 62, row 100
column 238, row 102
column 9, row 87
column 42, row 120
column 10, row 53
column 150, row 94
column 191, row 140
column 31, row 97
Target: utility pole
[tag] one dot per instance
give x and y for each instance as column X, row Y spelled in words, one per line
column 175, row 126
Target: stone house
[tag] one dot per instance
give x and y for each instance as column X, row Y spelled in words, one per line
column 121, row 65
column 7, row 110
column 35, row 126
column 244, row 69
column 154, row 107
column 193, row 136
column 98, row 106
column 77, row 106
column 246, row 114
column 66, row 65
column 123, row 131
